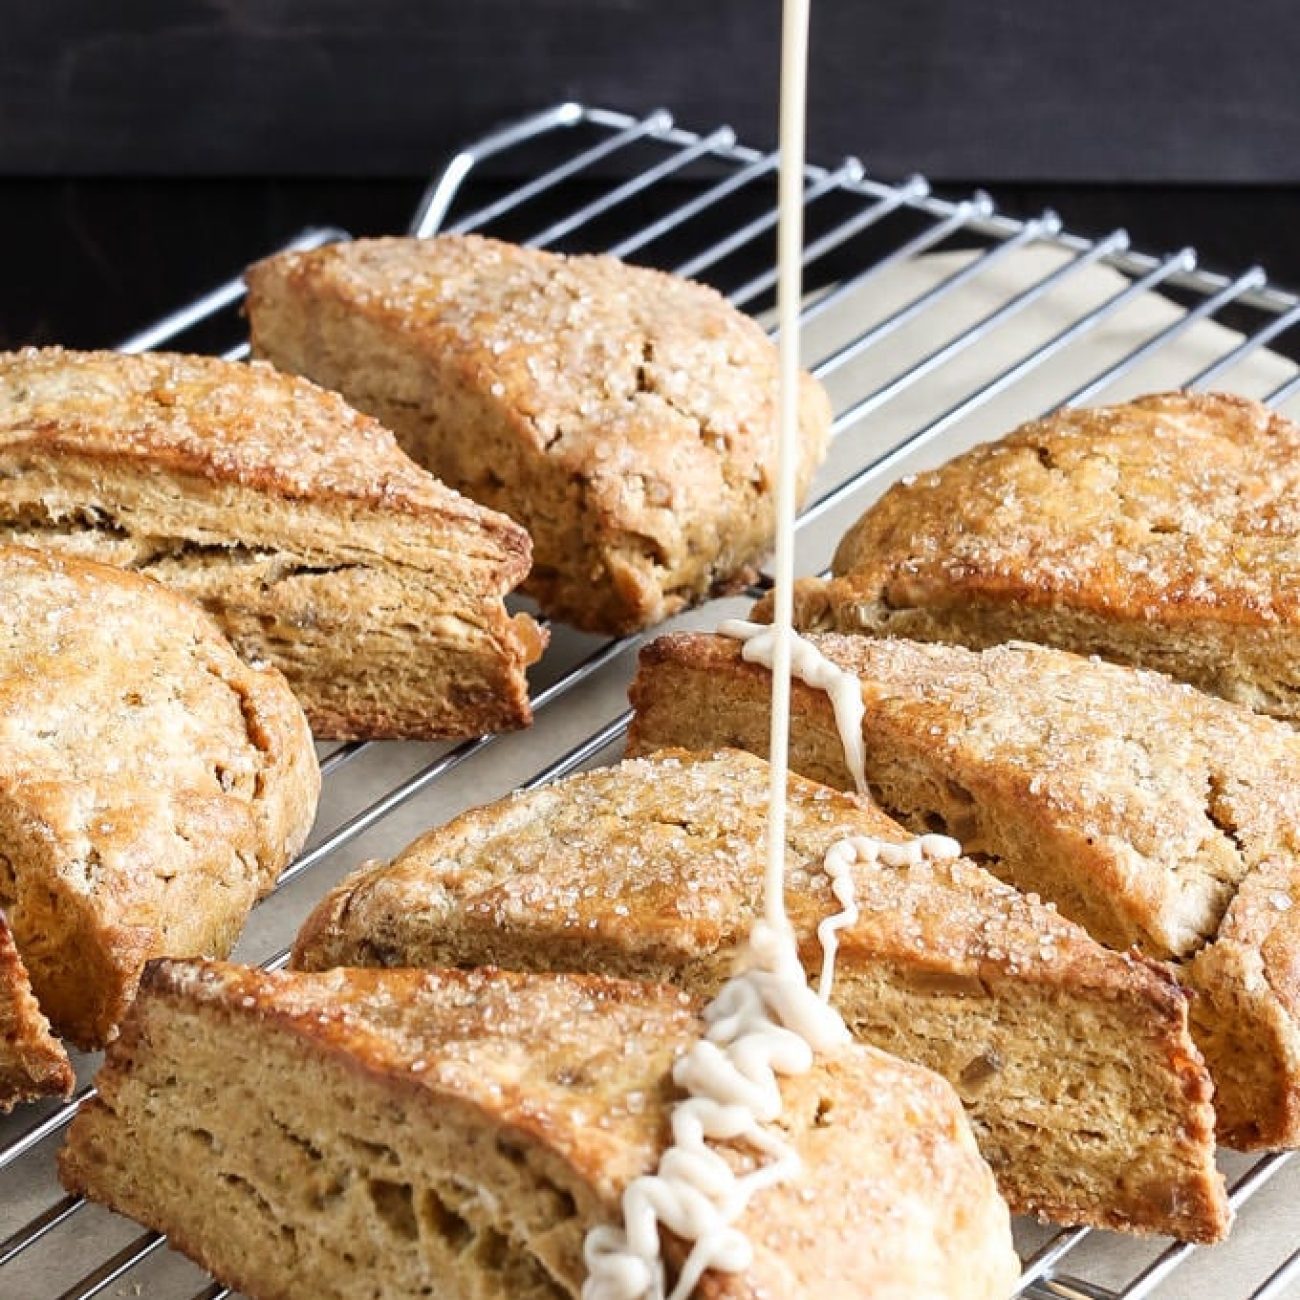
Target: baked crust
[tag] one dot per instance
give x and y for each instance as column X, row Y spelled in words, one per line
column 1162, row 532
column 458, row 1132
column 152, row 785
column 295, row 520
column 1084, row 1088
column 1154, row 815
column 625, row 417
column 32, row 1064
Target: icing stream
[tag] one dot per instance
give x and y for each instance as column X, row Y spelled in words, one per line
column 840, row 860
column 766, row 1021
column 812, row 667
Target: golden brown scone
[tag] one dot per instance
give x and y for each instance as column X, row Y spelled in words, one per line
column 315, row 542
column 1164, row 532
column 405, row 1133
column 1152, row 814
column 1085, row 1090
column 152, row 785
column 32, row 1063
column 625, row 417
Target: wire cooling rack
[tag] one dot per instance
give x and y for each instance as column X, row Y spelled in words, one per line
column 933, row 270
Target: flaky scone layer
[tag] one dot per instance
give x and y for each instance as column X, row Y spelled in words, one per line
column 375, row 1133
column 295, row 520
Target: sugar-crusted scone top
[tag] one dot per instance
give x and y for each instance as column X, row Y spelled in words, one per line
column 227, row 423
column 579, row 1068
column 1172, row 506
column 1164, row 532
column 661, row 859
column 111, row 687
column 583, row 347
column 626, row 417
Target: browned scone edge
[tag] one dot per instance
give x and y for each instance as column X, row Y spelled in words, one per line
column 297, row 522
column 32, row 1062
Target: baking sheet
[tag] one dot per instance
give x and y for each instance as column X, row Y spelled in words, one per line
column 1270, row 1227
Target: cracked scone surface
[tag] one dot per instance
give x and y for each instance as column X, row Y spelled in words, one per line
column 295, row 520
column 32, row 1062
column 152, row 785
column 364, row 1133
column 625, row 417
column 1154, row 815
column 1163, row 532
column 1083, row 1085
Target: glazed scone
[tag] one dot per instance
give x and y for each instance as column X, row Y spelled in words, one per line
column 152, row 785
column 1154, row 815
column 1164, row 532
column 296, row 521
column 1086, row 1093
column 32, row 1063
column 625, row 417
column 403, row 1133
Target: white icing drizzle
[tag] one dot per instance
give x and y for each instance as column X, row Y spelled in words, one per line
column 840, row 860
column 764, row 1022
column 812, row 667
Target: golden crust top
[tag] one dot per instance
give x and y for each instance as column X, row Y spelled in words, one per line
column 596, row 357
column 1173, row 507
column 664, row 856
column 1170, row 797
column 226, row 422
column 106, row 681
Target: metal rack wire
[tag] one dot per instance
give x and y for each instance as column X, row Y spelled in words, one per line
column 860, row 231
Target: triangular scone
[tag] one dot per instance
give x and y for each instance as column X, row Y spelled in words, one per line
column 407, row 1133
column 1086, row 1093
column 296, row 521
column 1163, row 532
column 625, row 417
column 152, row 784
column 32, row 1063
column 1152, row 814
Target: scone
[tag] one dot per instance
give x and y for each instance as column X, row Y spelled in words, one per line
column 1164, row 532
column 152, row 785
column 1086, row 1093
column 1154, row 815
column 407, row 1133
column 32, row 1063
column 296, row 521
column 625, row 417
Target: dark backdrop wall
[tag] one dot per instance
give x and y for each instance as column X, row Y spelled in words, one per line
column 1161, row 90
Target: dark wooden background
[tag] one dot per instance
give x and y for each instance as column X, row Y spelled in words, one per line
column 1084, row 90
column 149, row 148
